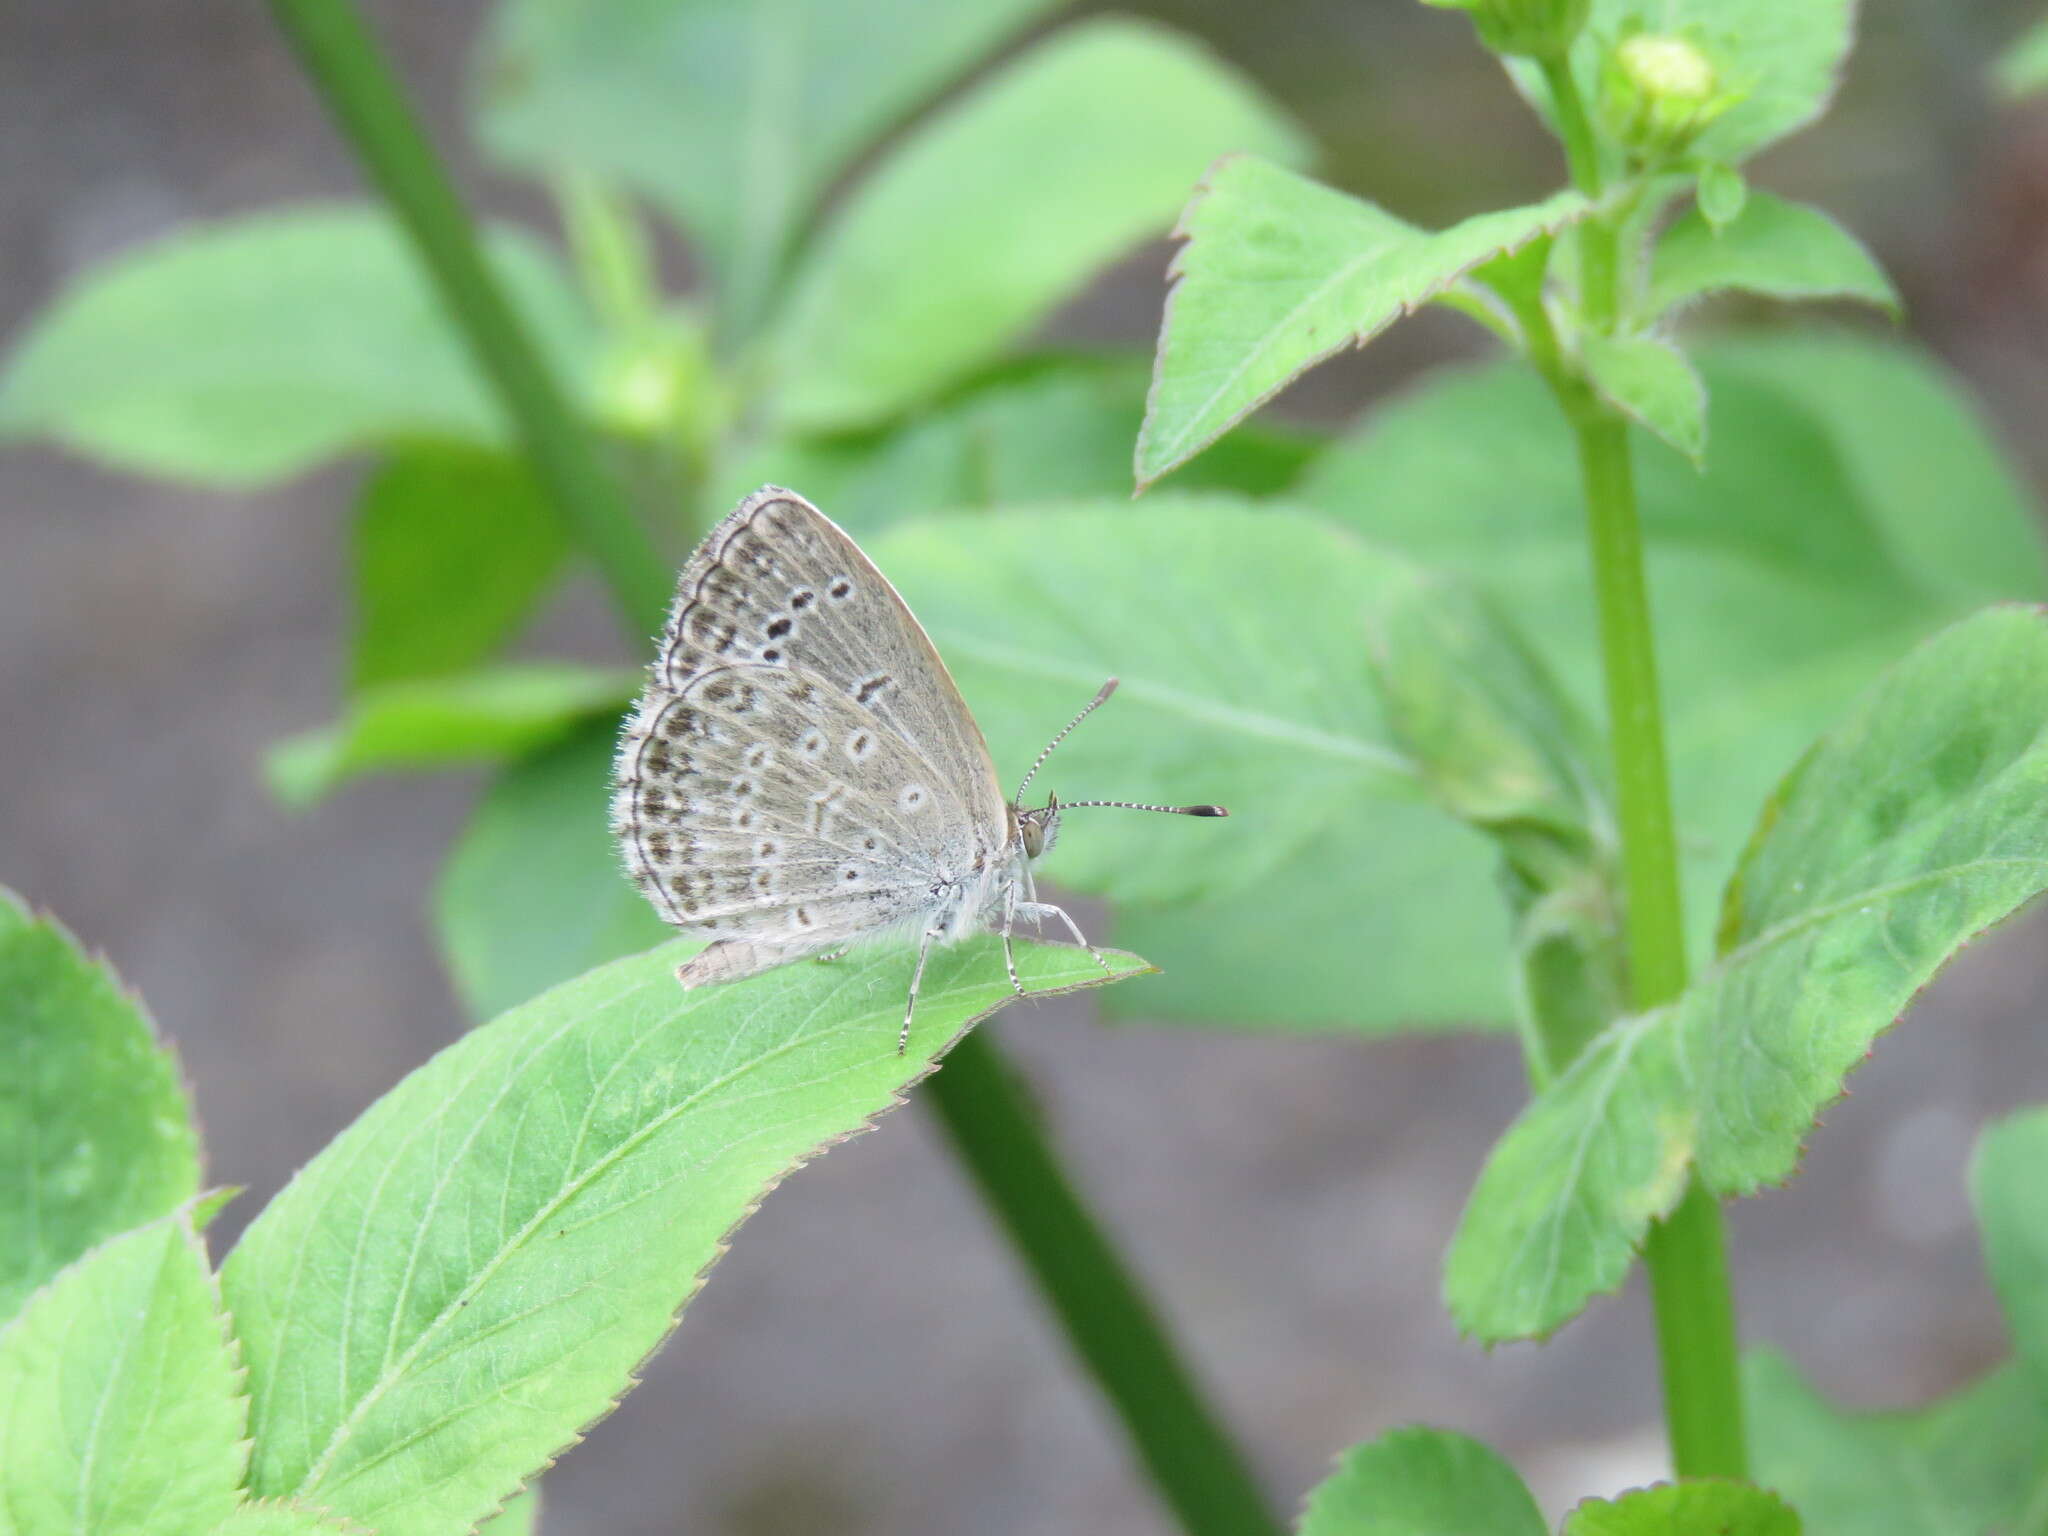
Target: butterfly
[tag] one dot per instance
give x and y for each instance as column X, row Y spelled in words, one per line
column 801, row 774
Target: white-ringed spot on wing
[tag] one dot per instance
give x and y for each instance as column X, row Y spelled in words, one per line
column 913, row 797
column 759, row 756
column 812, row 742
column 869, row 687
column 859, row 744
column 841, row 589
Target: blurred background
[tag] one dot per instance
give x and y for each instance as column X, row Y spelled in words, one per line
column 867, row 1358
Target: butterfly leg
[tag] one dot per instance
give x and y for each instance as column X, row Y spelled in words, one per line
column 1009, row 924
column 1039, row 911
column 916, row 980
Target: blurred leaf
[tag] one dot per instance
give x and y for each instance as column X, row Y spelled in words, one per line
column 1721, row 195
column 1970, row 1463
column 1908, row 437
column 1421, row 1482
column 732, row 115
column 453, row 547
column 94, row 1129
column 1784, row 59
column 1004, row 204
column 1685, row 1509
column 1238, row 637
column 533, row 892
column 1391, row 918
column 2022, row 69
column 1649, row 381
column 274, row 1517
column 1910, row 828
column 119, row 1404
column 2011, row 1197
column 1496, row 742
column 1044, row 429
column 471, row 1274
column 473, row 717
column 244, row 350
column 1773, row 247
column 1501, row 748
column 1810, row 524
column 1278, row 273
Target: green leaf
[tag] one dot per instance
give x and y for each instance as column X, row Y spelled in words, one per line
column 533, row 892
column 734, row 117
column 453, row 547
column 241, row 351
column 275, row 1517
column 1785, row 61
column 1686, row 1509
column 475, row 717
column 2012, row 1209
column 1501, row 748
column 520, row 1517
column 1649, row 381
column 119, row 1405
column 1973, row 1462
column 1389, row 919
column 1721, row 194
column 94, row 1129
column 1781, row 249
column 1496, row 742
column 1907, row 830
column 1002, row 206
column 1278, row 273
column 2022, row 69
column 1269, row 710
column 1476, row 477
column 1907, row 437
column 472, row 1272
column 1047, row 428
column 1421, row 1482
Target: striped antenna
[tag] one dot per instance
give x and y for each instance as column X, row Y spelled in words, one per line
column 1132, row 805
column 1088, row 709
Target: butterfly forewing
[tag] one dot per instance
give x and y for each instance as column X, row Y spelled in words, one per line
column 801, row 769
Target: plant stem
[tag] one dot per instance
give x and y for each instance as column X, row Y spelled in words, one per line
column 342, row 60
column 1199, row 1471
column 1686, row 1253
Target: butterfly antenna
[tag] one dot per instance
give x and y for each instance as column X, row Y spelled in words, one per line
column 1133, row 805
column 1086, row 710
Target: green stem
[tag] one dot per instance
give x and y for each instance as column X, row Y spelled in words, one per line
column 1598, row 239
column 1199, row 1471
column 342, row 60
column 1685, row 1254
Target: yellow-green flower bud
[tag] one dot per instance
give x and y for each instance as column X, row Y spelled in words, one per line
column 1658, row 90
column 1525, row 28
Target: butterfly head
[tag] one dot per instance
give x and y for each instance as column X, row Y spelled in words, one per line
column 1039, row 827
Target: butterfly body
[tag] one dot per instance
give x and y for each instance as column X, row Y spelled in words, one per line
column 801, row 773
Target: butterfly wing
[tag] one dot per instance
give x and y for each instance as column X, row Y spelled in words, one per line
column 802, row 769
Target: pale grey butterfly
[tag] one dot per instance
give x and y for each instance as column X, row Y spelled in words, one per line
column 801, row 774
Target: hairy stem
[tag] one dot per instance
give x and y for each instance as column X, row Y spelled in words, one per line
column 1686, row 1253
column 1111, row 1326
